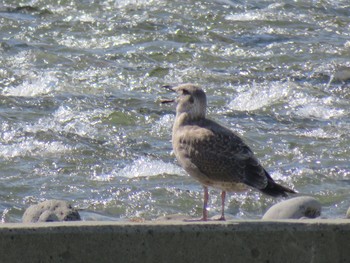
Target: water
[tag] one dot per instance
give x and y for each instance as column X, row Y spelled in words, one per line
column 80, row 111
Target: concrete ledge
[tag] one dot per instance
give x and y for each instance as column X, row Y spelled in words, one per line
column 233, row 241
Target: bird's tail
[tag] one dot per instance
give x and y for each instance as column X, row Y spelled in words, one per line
column 274, row 189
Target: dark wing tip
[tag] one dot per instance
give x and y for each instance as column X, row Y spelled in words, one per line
column 275, row 190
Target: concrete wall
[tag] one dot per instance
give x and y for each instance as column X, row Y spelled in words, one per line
column 234, row 241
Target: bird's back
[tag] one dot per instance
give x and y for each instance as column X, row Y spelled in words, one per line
column 218, row 153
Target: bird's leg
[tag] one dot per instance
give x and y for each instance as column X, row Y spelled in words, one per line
column 205, row 211
column 205, row 204
column 223, row 196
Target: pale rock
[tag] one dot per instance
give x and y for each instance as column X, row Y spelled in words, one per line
column 348, row 213
column 295, row 208
column 50, row 211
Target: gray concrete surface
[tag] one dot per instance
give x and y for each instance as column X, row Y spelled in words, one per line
column 233, row 241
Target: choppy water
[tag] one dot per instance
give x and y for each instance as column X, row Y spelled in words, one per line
column 80, row 89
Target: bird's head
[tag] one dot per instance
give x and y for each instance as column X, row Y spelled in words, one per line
column 191, row 100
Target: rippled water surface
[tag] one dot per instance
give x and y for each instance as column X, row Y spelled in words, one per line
column 80, row 111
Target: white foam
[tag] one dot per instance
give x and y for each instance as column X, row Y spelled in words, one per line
column 320, row 111
column 247, row 16
column 308, row 106
column 95, row 43
column 23, row 60
column 67, row 119
column 134, row 3
column 267, row 14
column 145, row 167
column 320, row 133
column 30, row 147
column 43, row 84
column 260, row 96
column 163, row 125
column 295, row 98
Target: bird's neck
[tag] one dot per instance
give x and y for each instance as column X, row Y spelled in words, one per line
column 185, row 118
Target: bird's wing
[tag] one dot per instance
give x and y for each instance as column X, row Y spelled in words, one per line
column 222, row 155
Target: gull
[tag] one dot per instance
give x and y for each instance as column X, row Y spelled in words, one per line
column 214, row 155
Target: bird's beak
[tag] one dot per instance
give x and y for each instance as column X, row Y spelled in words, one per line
column 166, row 101
column 171, row 88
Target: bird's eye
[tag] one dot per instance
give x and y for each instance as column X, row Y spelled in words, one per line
column 185, row 92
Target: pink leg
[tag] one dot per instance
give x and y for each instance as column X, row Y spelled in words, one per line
column 205, row 211
column 205, row 205
column 223, row 196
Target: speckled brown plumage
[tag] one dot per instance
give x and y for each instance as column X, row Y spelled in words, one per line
column 213, row 154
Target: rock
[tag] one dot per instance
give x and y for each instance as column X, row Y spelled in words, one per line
column 50, row 211
column 348, row 213
column 342, row 74
column 87, row 215
column 295, row 208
